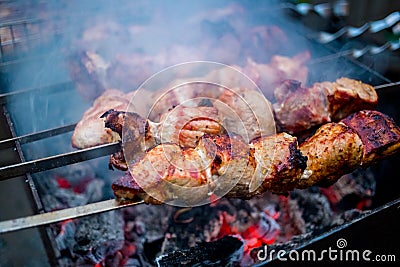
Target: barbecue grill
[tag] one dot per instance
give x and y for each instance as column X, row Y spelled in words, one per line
column 41, row 106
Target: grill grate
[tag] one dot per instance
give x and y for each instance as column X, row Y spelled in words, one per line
column 19, row 38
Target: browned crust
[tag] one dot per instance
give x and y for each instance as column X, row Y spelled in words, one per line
column 136, row 131
column 279, row 175
column 299, row 109
column 379, row 134
column 282, row 162
column 114, row 120
column 118, row 161
column 126, row 188
column 348, row 96
column 332, row 151
column 90, row 130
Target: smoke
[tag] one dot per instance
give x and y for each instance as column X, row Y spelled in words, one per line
column 124, row 43
column 133, row 40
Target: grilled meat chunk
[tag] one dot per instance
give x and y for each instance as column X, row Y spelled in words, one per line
column 139, row 134
column 332, row 151
column 167, row 171
column 273, row 163
column 185, row 125
column 221, row 164
column 378, row 132
column 346, row 96
column 253, row 110
column 277, row 163
column 182, row 125
column 118, row 161
column 298, row 109
column 280, row 68
column 90, row 130
column 127, row 188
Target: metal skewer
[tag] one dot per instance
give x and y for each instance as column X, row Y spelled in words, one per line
column 61, row 215
column 351, row 32
column 18, row 95
column 325, row 10
column 56, row 161
column 378, row 87
column 24, row 139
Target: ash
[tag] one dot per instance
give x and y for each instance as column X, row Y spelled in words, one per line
column 98, row 236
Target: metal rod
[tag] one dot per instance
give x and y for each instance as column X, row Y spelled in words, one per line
column 57, row 160
column 46, row 234
column 18, row 95
column 352, row 32
column 37, row 203
column 378, row 87
column 20, row 21
column 61, row 215
column 24, row 139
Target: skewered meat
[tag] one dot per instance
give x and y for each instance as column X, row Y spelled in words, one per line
column 233, row 167
column 90, row 82
column 183, row 126
column 360, row 139
column 90, row 130
column 280, row 68
column 93, row 72
column 272, row 163
column 298, row 109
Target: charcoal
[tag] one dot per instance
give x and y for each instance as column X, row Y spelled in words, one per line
column 354, row 188
column 151, row 249
column 99, row 236
column 347, row 216
column 311, row 210
column 94, row 190
column 191, row 227
column 226, row 251
column 145, row 224
column 54, row 197
column 65, row 240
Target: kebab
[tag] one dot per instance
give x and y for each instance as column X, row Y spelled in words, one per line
column 269, row 163
column 296, row 109
column 323, row 102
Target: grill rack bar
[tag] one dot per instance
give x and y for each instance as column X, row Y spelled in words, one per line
column 64, row 214
column 56, row 161
column 47, row 236
column 18, row 95
column 24, row 139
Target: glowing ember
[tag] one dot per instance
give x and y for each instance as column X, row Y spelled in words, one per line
column 62, row 182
